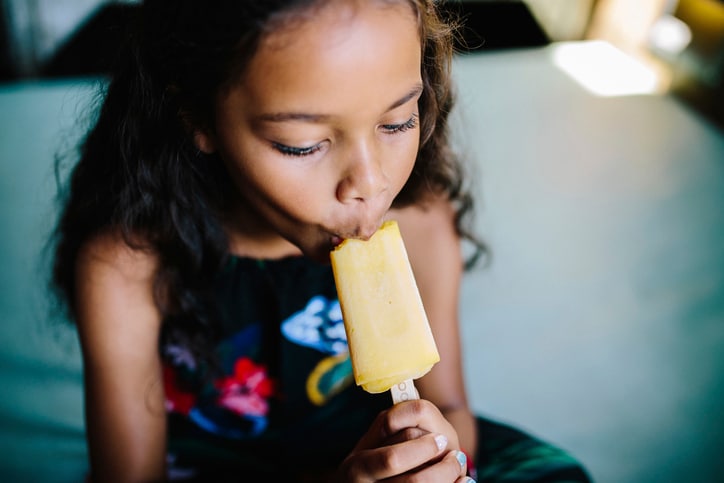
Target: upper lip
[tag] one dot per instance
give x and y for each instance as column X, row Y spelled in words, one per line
column 363, row 228
column 359, row 232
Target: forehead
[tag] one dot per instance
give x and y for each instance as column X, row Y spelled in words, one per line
column 287, row 26
column 333, row 51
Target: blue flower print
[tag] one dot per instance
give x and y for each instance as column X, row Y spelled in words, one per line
column 319, row 326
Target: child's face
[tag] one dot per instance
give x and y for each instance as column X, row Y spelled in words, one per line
column 321, row 133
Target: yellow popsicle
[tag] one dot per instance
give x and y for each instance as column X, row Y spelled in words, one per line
column 389, row 336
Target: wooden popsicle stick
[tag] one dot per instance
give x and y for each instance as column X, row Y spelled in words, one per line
column 404, row 391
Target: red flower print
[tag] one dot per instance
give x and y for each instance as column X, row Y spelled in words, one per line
column 176, row 400
column 247, row 390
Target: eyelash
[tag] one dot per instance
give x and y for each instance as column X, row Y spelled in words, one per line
column 308, row 151
column 405, row 126
column 294, row 151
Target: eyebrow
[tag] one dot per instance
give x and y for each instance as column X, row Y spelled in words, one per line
column 414, row 92
column 313, row 117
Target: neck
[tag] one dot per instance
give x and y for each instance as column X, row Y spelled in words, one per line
column 251, row 236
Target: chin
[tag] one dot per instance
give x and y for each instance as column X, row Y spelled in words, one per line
column 317, row 252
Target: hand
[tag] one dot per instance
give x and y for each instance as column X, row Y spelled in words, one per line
column 410, row 441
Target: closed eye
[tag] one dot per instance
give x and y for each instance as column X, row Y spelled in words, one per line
column 399, row 128
column 296, row 151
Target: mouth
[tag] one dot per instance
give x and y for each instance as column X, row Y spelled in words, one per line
column 336, row 241
column 360, row 233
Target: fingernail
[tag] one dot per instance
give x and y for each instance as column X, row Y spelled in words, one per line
column 469, row 480
column 462, row 459
column 441, row 441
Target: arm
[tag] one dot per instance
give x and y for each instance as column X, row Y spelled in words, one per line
column 118, row 324
column 433, row 247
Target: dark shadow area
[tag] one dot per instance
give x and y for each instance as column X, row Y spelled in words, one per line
column 93, row 48
column 708, row 100
column 7, row 72
column 495, row 25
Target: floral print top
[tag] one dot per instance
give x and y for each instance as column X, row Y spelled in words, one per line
column 286, row 404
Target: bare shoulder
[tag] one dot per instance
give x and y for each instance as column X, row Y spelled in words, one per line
column 109, row 252
column 429, row 232
column 115, row 300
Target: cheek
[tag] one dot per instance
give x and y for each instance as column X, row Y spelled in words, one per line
column 280, row 182
column 404, row 162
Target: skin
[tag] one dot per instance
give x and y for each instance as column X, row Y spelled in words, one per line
column 329, row 103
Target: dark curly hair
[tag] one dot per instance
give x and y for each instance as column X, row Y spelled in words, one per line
column 141, row 175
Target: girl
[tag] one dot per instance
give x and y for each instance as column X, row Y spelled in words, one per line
column 238, row 143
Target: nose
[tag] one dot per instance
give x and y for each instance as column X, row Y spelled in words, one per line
column 363, row 177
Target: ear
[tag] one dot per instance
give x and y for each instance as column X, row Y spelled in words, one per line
column 204, row 141
column 203, row 138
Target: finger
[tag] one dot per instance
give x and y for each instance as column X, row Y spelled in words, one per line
column 452, row 467
column 409, row 414
column 400, row 458
column 417, row 413
column 461, row 459
column 405, row 435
